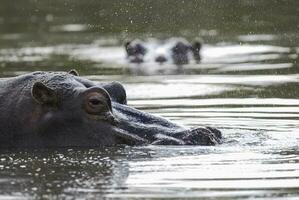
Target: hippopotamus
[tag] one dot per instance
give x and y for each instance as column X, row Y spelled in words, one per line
column 175, row 50
column 62, row 109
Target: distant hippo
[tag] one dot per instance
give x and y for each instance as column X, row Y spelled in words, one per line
column 176, row 50
column 59, row 109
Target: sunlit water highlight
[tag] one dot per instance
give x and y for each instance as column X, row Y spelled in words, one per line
column 258, row 159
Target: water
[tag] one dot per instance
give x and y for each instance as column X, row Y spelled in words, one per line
column 246, row 85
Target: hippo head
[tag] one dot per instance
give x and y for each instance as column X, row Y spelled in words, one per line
column 135, row 51
column 66, row 110
column 58, row 109
column 181, row 50
column 175, row 50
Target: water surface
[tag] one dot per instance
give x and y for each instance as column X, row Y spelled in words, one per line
column 246, row 85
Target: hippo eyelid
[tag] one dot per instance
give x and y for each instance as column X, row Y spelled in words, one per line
column 96, row 104
column 105, row 99
column 95, row 101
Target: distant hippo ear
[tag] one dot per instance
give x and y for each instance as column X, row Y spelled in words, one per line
column 74, row 72
column 127, row 43
column 197, row 44
column 128, row 48
column 43, row 94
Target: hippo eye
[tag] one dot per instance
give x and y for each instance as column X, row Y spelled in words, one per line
column 94, row 101
column 95, row 104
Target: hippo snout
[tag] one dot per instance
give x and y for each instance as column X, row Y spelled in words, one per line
column 161, row 59
column 203, row 136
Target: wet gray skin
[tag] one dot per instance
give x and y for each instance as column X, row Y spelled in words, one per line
column 58, row 109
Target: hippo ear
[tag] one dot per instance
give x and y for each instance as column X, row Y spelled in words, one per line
column 74, row 72
column 197, row 44
column 127, row 43
column 129, row 48
column 43, row 94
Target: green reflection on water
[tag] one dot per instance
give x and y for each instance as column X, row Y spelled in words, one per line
column 151, row 16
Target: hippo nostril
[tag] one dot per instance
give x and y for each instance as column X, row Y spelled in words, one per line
column 136, row 59
column 161, row 59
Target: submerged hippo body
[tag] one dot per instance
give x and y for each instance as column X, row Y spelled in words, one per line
column 58, row 109
column 177, row 51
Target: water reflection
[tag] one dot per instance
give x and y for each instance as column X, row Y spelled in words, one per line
column 47, row 173
column 259, row 157
column 222, row 172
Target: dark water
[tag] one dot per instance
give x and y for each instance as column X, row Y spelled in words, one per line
column 246, row 85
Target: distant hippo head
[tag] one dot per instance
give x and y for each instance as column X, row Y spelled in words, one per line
column 58, row 109
column 180, row 51
column 135, row 51
column 175, row 50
